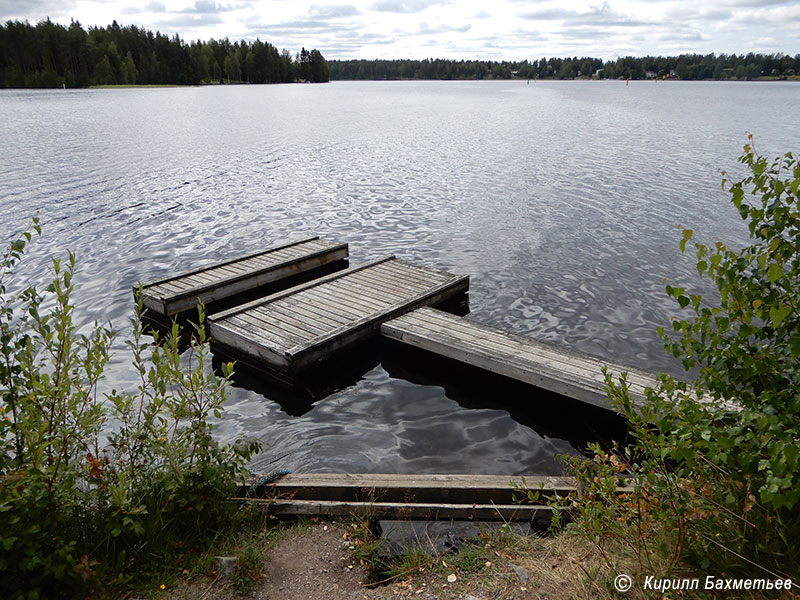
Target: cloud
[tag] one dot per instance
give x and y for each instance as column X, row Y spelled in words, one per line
column 205, row 7
column 332, row 20
column 150, row 7
column 20, row 9
column 770, row 17
column 599, row 16
column 184, row 21
column 337, row 11
column 425, row 29
column 201, row 7
column 681, row 36
column 757, row 3
column 406, row 6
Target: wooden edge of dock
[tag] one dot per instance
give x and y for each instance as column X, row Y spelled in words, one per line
column 228, row 262
column 426, row 496
column 337, row 252
column 411, row 511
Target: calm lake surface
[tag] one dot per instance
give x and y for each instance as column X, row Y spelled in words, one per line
column 560, row 199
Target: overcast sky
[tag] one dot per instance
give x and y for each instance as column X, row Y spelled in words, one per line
column 495, row 29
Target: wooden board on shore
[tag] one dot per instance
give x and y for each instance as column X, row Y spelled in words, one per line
column 414, row 511
column 295, row 329
column 566, row 372
column 421, row 496
column 182, row 292
column 480, row 489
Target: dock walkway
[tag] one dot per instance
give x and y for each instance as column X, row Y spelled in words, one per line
column 293, row 330
column 566, row 372
column 173, row 295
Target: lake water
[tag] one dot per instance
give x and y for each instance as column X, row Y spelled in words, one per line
column 560, row 199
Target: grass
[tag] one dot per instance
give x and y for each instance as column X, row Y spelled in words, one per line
column 249, row 540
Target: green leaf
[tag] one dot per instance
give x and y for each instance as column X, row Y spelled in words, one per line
column 687, row 234
column 794, row 344
column 778, row 313
column 702, row 267
column 774, row 272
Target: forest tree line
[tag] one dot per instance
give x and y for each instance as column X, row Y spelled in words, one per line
column 52, row 55
column 686, row 66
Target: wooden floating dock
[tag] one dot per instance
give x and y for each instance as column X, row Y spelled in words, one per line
column 173, row 295
column 425, row 497
column 293, row 330
column 569, row 373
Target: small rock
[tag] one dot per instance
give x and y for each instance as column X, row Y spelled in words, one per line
column 520, row 572
column 451, row 578
column 470, row 597
column 226, row 565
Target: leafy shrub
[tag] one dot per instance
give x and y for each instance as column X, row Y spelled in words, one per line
column 716, row 463
column 92, row 487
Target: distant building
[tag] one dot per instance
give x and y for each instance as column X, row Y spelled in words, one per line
column 598, row 74
column 651, row 75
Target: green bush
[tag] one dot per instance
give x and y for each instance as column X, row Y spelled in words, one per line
column 95, row 487
column 716, row 463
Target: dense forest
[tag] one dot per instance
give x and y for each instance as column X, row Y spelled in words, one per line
column 686, row 66
column 52, row 55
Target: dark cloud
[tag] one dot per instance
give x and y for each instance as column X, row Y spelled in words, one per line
column 406, row 6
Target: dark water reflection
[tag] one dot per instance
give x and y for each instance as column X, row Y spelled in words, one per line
column 560, row 199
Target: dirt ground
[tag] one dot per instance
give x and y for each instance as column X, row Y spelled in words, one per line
column 318, row 564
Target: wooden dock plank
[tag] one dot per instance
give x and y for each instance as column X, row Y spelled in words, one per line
column 182, row 292
column 574, row 364
column 279, row 338
column 381, row 282
column 413, row 511
column 420, row 487
column 313, row 308
column 418, row 496
column 569, row 373
column 350, row 306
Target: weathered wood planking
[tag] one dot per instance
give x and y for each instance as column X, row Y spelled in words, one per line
column 424, row 488
column 295, row 329
column 182, row 292
column 414, row 511
column 562, row 371
column 421, row 496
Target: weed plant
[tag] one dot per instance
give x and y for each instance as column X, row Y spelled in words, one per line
column 98, row 490
column 715, row 464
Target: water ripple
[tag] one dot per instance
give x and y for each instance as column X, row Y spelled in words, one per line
column 560, row 199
